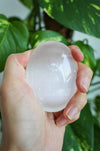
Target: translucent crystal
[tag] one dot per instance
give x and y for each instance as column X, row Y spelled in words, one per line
column 51, row 73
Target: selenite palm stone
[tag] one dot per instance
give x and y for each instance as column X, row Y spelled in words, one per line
column 51, row 73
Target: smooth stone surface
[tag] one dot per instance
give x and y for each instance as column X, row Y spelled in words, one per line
column 51, row 73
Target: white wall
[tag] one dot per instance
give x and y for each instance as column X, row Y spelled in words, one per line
column 94, row 42
column 15, row 8
column 12, row 8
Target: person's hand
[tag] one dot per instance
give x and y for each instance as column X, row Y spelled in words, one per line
column 26, row 127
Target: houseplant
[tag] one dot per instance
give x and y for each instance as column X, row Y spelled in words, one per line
column 18, row 35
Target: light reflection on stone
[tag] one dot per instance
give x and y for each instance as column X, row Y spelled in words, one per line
column 51, row 73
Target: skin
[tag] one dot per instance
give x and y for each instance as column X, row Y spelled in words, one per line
column 25, row 126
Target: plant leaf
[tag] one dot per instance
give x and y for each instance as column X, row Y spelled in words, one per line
column 27, row 3
column 80, row 15
column 97, row 68
column 11, row 19
column 3, row 17
column 97, row 111
column 96, row 138
column 84, row 129
column 70, row 142
column 46, row 35
column 13, row 39
column 88, row 53
column 79, row 137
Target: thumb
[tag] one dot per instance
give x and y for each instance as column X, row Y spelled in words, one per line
column 15, row 66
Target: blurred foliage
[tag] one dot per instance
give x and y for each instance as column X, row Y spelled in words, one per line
column 18, row 35
column 88, row 52
column 46, row 35
column 80, row 15
column 96, row 114
column 96, row 138
column 27, row 3
column 14, row 37
column 79, row 135
column 97, row 67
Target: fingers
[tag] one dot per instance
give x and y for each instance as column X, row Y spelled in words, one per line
column 57, row 114
column 62, row 121
column 72, row 110
column 84, row 77
column 76, row 53
column 15, row 64
column 75, row 105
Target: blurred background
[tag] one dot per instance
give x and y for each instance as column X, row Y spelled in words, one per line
column 15, row 8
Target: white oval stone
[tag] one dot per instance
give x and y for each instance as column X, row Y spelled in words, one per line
column 51, row 73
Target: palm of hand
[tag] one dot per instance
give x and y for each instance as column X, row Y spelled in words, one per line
column 28, row 124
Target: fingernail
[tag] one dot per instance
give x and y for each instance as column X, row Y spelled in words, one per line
column 72, row 113
column 85, row 83
column 61, row 121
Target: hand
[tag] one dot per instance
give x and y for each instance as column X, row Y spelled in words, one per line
column 26, row 126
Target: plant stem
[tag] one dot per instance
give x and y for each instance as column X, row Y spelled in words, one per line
column 96, row 83
column 37, row 15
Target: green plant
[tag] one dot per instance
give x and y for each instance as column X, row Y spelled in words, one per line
column 18, row 35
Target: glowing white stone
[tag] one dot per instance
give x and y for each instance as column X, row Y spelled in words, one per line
column 51, row 73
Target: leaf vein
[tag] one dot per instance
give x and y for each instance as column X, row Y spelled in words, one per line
column 4, row 34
